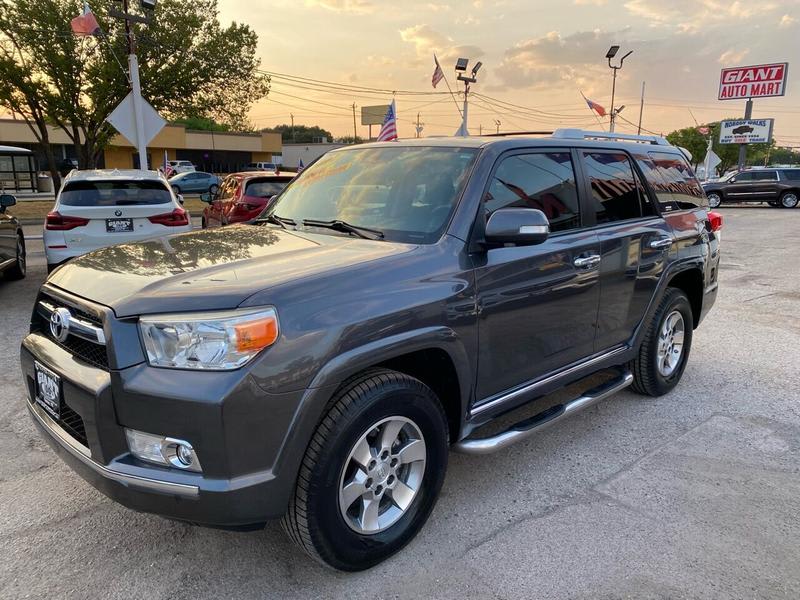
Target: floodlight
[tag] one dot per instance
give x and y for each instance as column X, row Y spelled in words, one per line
column 461, row 64
column 620, row 109
column 612, row 52
column 476, row 68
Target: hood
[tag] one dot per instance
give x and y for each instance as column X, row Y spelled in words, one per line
column 209, row 269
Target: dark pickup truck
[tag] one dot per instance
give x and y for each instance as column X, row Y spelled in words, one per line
column 318, row 364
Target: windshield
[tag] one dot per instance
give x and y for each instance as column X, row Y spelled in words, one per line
column 407, row 193
column 114, row 193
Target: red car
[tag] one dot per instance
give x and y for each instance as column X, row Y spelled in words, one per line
column 242, row 196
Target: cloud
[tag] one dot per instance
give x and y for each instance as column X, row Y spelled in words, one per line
column 689, row 11
column 591, row 2
column 428, row 41
column 787, row 21
column 733, row 56
column 348, row 6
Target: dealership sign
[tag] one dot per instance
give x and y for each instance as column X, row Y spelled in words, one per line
column 746, row 131
column 760, row 81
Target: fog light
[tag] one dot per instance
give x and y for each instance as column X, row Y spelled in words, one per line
column 162, row 450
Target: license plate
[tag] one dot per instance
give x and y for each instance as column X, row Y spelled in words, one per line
column 119, row 225
column 48, row 390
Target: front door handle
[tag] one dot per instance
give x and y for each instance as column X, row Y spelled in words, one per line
column 587, row 262
column 661, row 243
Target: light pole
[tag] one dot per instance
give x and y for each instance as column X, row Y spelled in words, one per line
column 497, row 124
column 461, row 69
column 612, row 52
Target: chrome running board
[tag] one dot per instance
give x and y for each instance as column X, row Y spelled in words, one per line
column 528, row 427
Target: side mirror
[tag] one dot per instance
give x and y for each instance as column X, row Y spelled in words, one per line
column 7, row 200
column 520, row 226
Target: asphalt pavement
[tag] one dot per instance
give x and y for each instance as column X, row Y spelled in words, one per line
column 692, row 495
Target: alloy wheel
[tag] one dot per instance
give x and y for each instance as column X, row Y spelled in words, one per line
column 714, row 200
column 382, row 475
column 670, row 344
column 789, row 200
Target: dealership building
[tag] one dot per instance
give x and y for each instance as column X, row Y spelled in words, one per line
column 213, row 151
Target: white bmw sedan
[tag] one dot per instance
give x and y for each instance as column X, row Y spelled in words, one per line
column 104, row 207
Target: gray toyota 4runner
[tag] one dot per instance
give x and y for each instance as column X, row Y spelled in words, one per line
column 318, row 364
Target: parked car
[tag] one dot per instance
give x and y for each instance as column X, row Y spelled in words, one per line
column 102, row 207
column 242, row 197
column 12, row 241
column 181, row 166
column 194, row 181
column 262, row 166
column 778, row 187
column 318, row 364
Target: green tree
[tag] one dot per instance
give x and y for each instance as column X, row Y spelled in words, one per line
column 301, row 134
column 190, row 64
column 202, row 124
column 691, row 139
column 349, row 139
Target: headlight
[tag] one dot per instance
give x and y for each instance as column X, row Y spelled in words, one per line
column 212, row 340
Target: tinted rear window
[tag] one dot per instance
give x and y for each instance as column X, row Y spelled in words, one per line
column 793, row 174
column 673, row 181
column 264, row 188
column 114, row 193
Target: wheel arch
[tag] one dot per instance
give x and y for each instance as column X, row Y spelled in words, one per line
column 690, row 281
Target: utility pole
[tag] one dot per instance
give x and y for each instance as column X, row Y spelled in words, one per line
column 641, row 110
column 461, row 69
column 355, row 131
column 748, row 114
column 133, row 68
column 480, row 129
column 292, row 117
column 612, row 52
column 419, row 126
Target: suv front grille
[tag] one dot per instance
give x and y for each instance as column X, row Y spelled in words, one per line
column 89, row 352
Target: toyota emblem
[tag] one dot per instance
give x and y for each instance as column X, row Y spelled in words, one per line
column 118, row 213
column 59, row 324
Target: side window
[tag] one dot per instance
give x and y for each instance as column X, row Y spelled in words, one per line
column 679, row 181
column 765, row 176
column 617, row 193
column 542, row 180
column 743, row 177
column 792, row 174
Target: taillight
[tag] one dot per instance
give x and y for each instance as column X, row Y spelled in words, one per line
column 714, row 221
column 176, row 218
column 55, row 221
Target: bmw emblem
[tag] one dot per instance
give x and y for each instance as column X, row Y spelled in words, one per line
column 118, row 213
column 59, row 324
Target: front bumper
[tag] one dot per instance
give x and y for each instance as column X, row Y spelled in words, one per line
column 247, row 479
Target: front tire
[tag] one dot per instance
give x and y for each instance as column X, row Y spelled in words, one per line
column 213, row 189
column 665, row 349
column 789, row 200
column 714, row 200
column 176, row 189
column 372, row 471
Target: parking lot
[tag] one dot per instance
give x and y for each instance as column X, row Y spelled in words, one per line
column 692, row 495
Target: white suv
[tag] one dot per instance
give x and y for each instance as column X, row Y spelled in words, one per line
column 101, row 208
column 181, row 166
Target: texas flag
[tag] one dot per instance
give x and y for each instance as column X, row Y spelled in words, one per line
column 85, row 24
column 595, row 107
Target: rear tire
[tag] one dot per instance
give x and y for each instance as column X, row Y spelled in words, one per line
column 789, row 200
column 714, row 200
column 20, row 267
column 329, row 515
column 176, row 189
column 665, row 349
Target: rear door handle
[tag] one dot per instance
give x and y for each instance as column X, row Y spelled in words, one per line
column 587, row 262
column 661, row 243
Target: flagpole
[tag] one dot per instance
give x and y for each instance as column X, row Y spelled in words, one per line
column 447, row 83
column 591, row 110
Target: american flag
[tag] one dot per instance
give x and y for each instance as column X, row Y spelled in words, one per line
column 300, row 166
column 438, row 74
column 389, row 127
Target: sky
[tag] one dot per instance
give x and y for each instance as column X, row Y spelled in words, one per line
column 538, row 57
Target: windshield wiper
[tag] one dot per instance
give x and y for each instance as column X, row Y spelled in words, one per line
column 273, row 218
column 345, row 227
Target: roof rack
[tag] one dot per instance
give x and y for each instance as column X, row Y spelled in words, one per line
column 582, row 134
column 511, row 133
